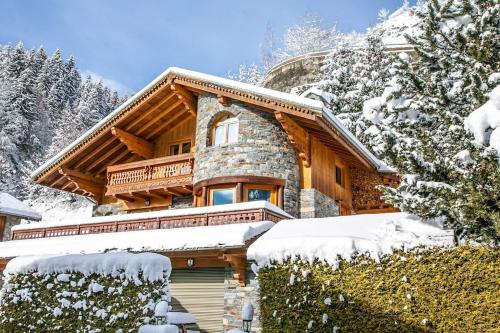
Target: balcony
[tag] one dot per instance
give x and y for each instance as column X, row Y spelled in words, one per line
column 247, row 212
column 164, row 175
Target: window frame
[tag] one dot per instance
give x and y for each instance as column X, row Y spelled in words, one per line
column 179, row 145
column 213, row 189
column 339, row 170
column 224, row 122
column 273, row 198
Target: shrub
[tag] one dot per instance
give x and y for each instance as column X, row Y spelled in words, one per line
column 100, row 293
column 438, row 290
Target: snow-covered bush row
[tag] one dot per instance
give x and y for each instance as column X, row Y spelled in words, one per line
column 109, row 292
column 422, row 290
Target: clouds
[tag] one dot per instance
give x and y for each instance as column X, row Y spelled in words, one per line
column 113, row 84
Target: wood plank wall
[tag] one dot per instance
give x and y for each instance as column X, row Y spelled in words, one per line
column 323, row 163
column 184, row 131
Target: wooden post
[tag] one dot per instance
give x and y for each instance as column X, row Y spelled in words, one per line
column 239, row 192
column 3, row 221
column 281, row 197
column 203, row 196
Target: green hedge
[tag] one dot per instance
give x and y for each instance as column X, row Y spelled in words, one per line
column 454, row 290
column 77, row 303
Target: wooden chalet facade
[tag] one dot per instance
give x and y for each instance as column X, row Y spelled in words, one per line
column 145, row 154
column 189, row 141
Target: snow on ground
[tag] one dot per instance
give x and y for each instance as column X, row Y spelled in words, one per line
column 11, row 206
column 59, row 207
column 206, row 237
column 153, row 266
column 327, row 238
column 484, row 123
column 73, row 218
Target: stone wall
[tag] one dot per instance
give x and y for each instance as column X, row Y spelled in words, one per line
column 316, row 204
column 294, row 72
column 365, row 194
column 235, row 296
column 262, row 149
column 182, row 202
column 10, row 221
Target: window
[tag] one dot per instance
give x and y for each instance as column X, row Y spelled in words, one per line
column 338, row 176
column 180, row 148
column 225, row 131
column 222, row 196
column 255, row 194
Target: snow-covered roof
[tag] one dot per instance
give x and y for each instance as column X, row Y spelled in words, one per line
column 13, row 207
column 328, row 238
column 157, row 214
column 260, row 92
column 152, row 266
column 160, row 240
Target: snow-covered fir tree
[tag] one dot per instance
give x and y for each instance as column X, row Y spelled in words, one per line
column 248, row 74
column 350, row 76
column 420, row 117
column 41, row 98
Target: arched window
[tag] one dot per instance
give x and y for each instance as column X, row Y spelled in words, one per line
column 225, row 130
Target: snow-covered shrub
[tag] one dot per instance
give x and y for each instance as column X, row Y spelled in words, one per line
column 423, row 290
column 109, row 292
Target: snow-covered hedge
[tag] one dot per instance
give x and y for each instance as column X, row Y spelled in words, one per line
column 422, row 290
column 108, row 292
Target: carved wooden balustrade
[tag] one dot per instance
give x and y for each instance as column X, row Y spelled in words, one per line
column 158, row 173
column 149, row 223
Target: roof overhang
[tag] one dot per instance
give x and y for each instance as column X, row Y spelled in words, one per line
column 176, row 84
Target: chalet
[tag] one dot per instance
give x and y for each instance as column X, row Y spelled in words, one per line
column 12, row 211
column 195, row 166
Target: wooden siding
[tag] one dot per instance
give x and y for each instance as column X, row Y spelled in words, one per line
column 322, row 174
column 184, row 131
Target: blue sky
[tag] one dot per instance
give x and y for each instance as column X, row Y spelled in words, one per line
column 130, row 42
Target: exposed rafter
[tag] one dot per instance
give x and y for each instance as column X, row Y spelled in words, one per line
column 297, row 135
column 135, row 144
column 83, row 182
column 223, row 100
column 186, row 97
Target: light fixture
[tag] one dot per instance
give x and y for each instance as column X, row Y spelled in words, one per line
column 190, row 262
column 147, row 201
column 247, row 317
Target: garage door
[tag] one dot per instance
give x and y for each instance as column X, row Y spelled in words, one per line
column 200, row 292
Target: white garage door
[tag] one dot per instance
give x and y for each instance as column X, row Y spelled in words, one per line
column 200, row 292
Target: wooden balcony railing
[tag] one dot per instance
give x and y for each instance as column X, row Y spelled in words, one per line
column 158, row 173
column 151, row 223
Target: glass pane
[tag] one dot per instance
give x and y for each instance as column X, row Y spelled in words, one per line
column 232, row 132
column 222, row 197
column 256, row 194
column 219, row 135
column 174, row 150
column 186, row 147
column 338, row 175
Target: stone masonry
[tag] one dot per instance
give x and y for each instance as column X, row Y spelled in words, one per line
column 316, row 204
column 236, row 296
column 10, row 221
column 262, row 149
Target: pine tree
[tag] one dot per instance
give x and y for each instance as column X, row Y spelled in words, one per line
column 421, row 116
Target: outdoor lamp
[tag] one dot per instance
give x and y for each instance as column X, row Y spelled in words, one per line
column 161, row 311
column 247, row 316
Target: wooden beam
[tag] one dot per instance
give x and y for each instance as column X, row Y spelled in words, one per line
column 186, row 97
column 124, row 197
column 156, row 195
column 83, row 182
column 113, row 161
column 297, row 135
column 171, row 120
column 85, row 176
column 160, row 115
column 94, row 152
column 174, row 192
column 239, row 264
column 223, row 100
column 104, row 157
column 149, row 111
column 135, row 144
